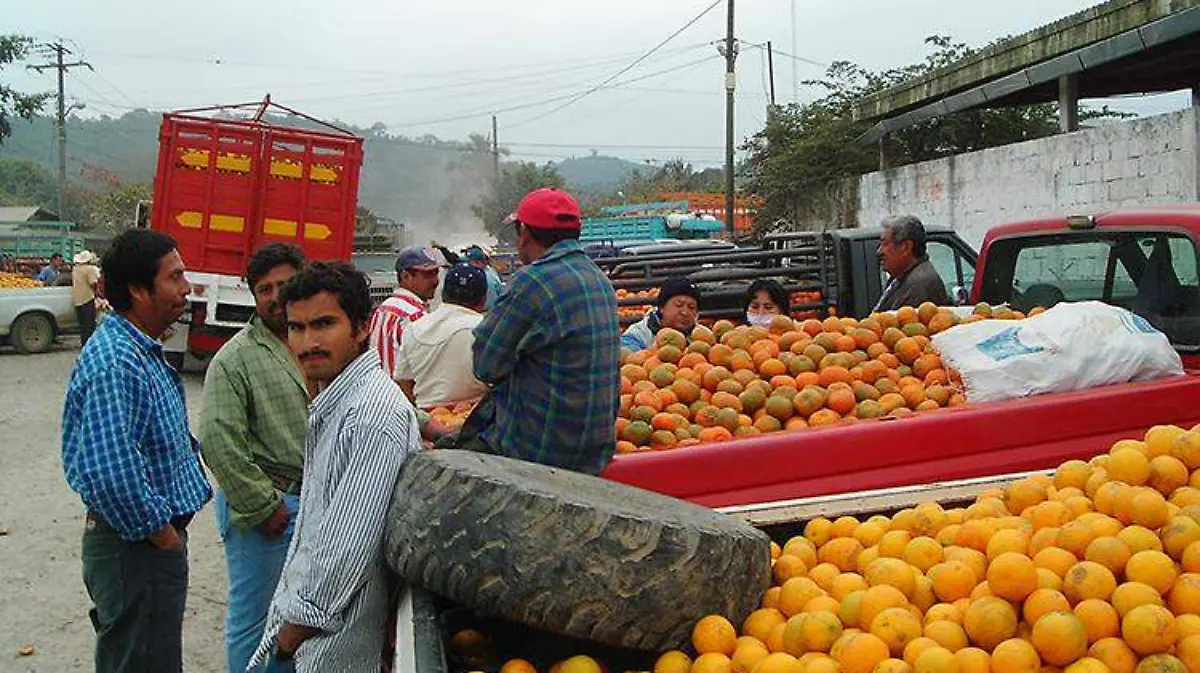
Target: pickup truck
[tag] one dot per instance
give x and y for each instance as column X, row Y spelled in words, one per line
column 32, row 318
column 1144, row 260
column 840, row 266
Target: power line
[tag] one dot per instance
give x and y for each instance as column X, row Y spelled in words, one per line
column 537, row 103
column 624, row 70
column 801, row 59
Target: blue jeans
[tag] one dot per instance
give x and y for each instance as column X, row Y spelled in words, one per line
column 254, row 562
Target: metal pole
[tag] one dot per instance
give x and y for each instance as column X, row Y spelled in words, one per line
column 730, row 84
column 771, row 71
column 495, row 153
column 795, row 64
column 62, row 133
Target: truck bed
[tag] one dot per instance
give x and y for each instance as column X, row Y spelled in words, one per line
column 972, row 441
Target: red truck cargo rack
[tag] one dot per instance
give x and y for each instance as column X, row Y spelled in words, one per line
column 227, row 186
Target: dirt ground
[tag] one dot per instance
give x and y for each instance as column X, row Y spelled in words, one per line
column 42, row 600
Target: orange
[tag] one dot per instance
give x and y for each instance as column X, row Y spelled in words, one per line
column 1160, row 439
column 824, row 573
column 1015, row 656
column 1152, row 567
column 714, row 633
column 972, row 558
column 1055, row 559
column 818, row 531
column 893, row 572
column 760, row 622
column 847, row 583
column 896, row 627
column 777, row 662
column 1185, row 595
column 795, row 593
column 890, row 666
column 1140, row 539
column 712, row 662
column 973, row 660
column 522, row 666
column 1008, row 540
column 1132, row 594
column 1115, row 654
column 585, row 664
column 894, row 543
column 990, row 621
column 813, row 632
column 1042, row 602
column 948, row 634
column 1128, row 465
column 802, row 548
column 1186, row 448
column 1191, row 558
column 1179, row 533
column 859, row 652
column 1188, row 651
column 1110, row 552
column 746, row 656
column 936, row 660
column 943, row 612
column 788, row 566
column 1088, row 579
column 923, row 552
column 841, row 552
column 1149, row 629
column 1087, row 665
column 1099, row 619
column 1167, row 474
column 1012, row 576
column 877, row 599
column 673, row 661
column 1161, row 663
column 1149, row 509
column 1060, row 638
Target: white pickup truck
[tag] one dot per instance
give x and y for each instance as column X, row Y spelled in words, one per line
column 31, row 319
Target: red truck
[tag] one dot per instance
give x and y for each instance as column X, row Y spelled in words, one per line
column 1144, row 260
column 226, row 186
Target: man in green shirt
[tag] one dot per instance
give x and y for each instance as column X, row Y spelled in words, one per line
column 252, row 435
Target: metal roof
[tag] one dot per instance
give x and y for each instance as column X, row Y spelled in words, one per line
column 1163, row 55
column 26, row 214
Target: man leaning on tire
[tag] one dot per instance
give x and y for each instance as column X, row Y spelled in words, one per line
column 550, row 349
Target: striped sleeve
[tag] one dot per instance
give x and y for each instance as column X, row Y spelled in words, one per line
column 345, row 544
column 384, row 338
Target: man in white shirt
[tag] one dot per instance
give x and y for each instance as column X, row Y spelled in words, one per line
column 416, row 283
column 435, row 364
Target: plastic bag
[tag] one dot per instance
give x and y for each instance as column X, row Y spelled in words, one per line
column 1072, row 346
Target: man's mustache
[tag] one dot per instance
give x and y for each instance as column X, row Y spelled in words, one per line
column 314, row 354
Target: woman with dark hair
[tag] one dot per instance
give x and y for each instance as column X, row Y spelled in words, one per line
column 765, row 299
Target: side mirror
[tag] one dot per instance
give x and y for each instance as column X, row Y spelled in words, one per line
column 960, row 295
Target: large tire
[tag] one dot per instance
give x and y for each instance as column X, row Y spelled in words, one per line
column 31, row 333
column 570, row 553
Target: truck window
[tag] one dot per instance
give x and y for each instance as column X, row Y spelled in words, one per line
column 950, row 265
column 1151, row 273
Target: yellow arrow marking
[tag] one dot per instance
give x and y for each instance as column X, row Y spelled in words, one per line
column 226, row 223
column 193, row 158
column 189, row 219
column 238, row 163
column 286, row 169
column 316, row 232
column 279, row 227
column 323, row 173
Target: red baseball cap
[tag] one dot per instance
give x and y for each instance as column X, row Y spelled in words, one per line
column 548, row 208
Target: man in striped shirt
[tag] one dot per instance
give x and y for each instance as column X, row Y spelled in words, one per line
column 331, row 602
column 417, row 282
column 127, row 451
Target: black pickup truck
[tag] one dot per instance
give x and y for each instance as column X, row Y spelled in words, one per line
column 838, row 271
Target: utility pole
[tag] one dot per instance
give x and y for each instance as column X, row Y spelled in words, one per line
column 730, row 85
column 771, row 71
column 495, row 153
column 60, row 64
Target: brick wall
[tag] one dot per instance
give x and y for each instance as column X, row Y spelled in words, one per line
column 1143, row 161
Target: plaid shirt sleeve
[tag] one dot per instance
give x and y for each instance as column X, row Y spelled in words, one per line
column 499, row 337
column 224, row 429
column 105, row 454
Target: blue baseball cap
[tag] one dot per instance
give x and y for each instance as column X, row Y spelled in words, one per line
column 417, row 258
column 464, row 283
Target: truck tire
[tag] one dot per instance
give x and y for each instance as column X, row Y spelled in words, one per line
column 570, row 553
column 31, row 333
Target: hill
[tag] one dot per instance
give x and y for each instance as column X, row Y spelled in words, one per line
column 596, row 173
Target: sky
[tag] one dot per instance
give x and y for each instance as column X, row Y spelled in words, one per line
column 444, row 67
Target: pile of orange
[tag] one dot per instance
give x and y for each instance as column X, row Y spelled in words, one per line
column 453, row 416
column 635, row 311
column 1095, row 569
column 730, row 381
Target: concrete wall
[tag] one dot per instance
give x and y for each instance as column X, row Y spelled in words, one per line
column 1143, row 161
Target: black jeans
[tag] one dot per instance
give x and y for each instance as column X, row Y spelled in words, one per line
column 85, row 315
column 138, row 592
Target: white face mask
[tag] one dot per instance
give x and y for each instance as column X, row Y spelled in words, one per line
column 759, row 319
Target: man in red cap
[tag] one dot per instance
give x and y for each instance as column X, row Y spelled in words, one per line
column 550, row 348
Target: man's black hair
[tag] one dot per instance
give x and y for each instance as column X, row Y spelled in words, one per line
column 57, row 254
column 779, row 296
column 132, row 260
column 270, row 256
column 548, row 237
column 340, row 279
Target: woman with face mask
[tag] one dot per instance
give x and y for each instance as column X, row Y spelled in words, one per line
column 765, row 299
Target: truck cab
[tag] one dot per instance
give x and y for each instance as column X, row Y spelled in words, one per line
column 1144, row 260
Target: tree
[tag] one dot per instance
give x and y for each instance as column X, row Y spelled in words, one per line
column 801, row 159
column 13, row 103
column 114, row 211
column 675, row 175
column 516, row 180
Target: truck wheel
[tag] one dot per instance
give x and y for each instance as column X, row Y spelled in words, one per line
column 32, row 333
column 569, row 553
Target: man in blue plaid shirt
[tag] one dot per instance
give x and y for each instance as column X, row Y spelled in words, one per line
column 550, row 348
column 129, row 454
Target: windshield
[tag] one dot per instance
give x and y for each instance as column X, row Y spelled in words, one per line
column 1152, row 273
